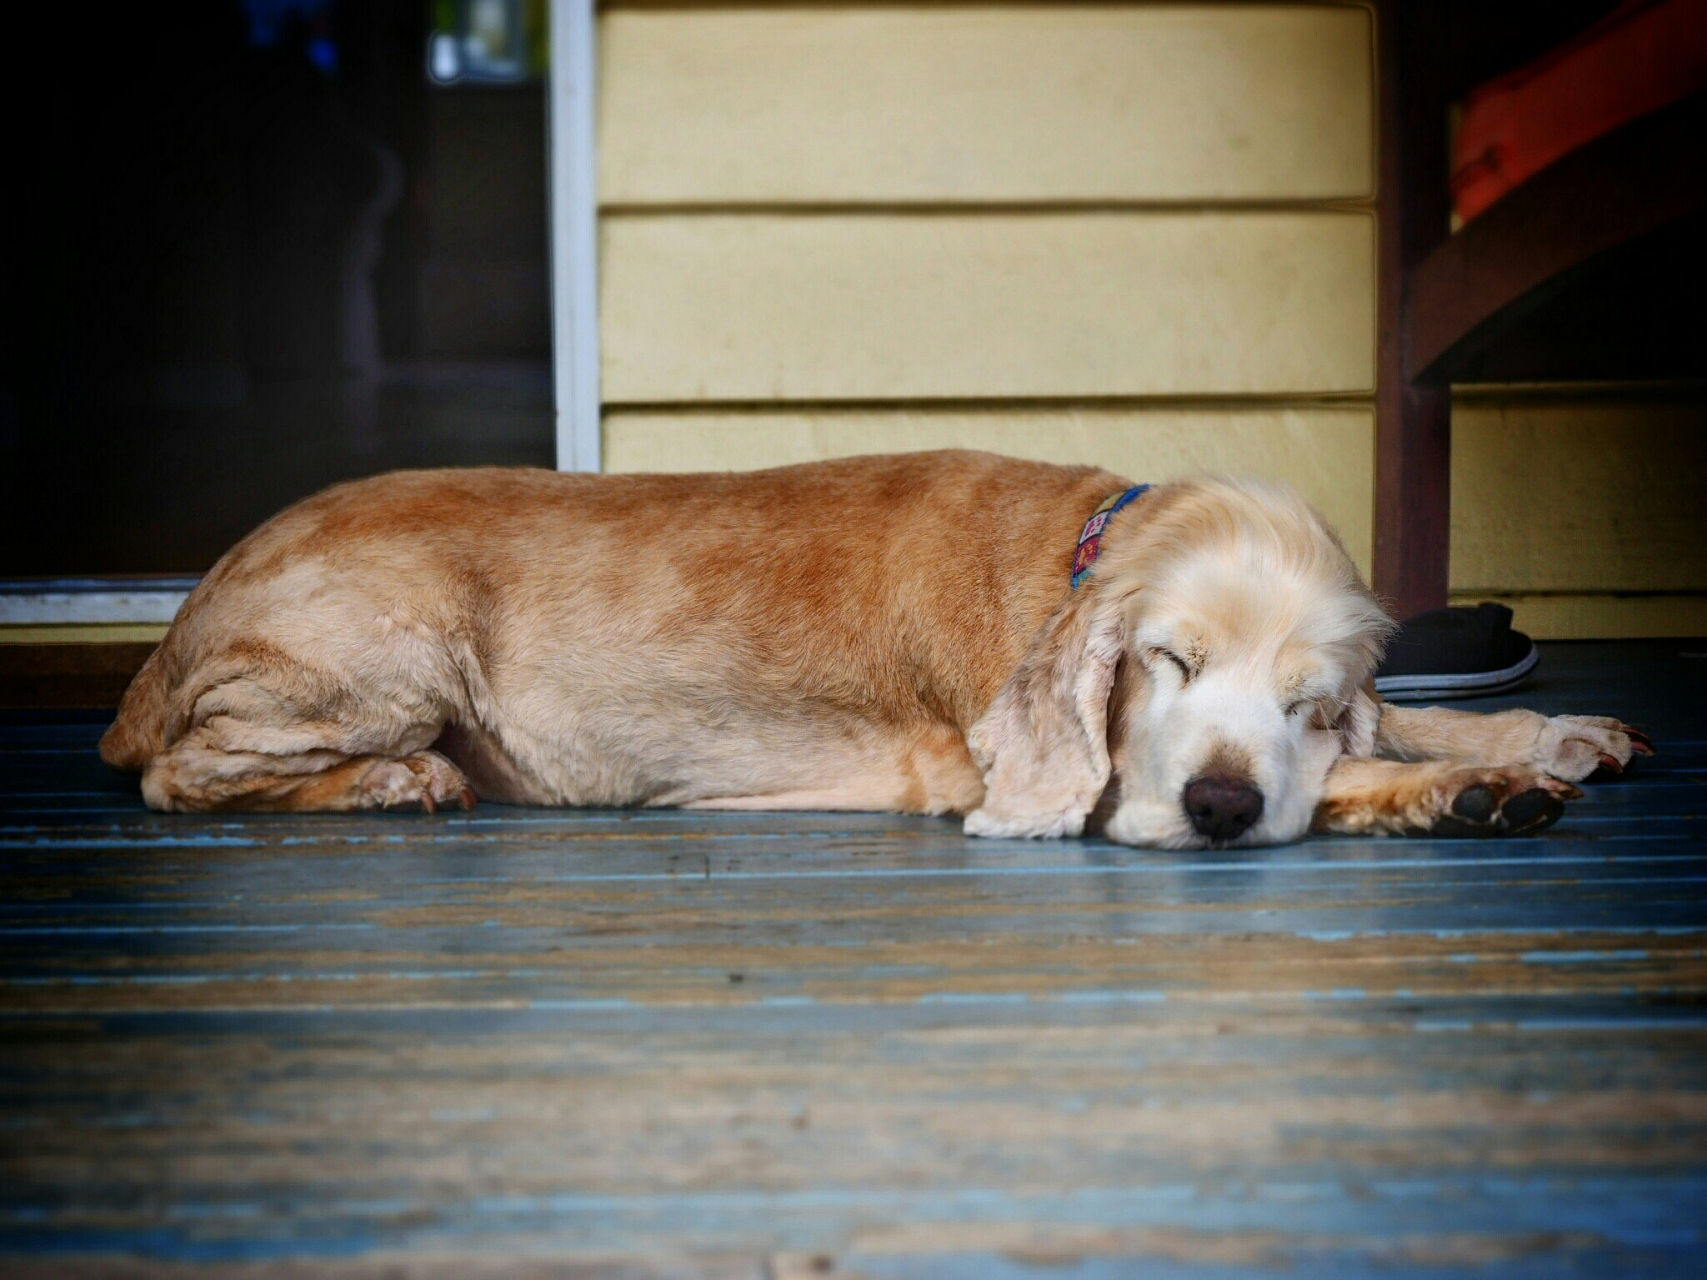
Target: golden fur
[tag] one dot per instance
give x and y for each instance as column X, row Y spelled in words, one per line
column 871, row 633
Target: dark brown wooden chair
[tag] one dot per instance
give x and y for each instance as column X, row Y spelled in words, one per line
column 1590, row 270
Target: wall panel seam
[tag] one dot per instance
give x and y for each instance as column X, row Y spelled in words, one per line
column 1350, row 401
column 1577, row 593
column 976, row 208
column 701, row 6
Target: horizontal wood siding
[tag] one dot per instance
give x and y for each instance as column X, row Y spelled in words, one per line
column 1324, row 452
column 1578, row 616
column 1135, row 235
column 1583, row 510
column 769, row 307
column 1579, row 496
column 1006, row 103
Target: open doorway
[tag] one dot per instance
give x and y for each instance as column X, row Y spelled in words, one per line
column 267, row 245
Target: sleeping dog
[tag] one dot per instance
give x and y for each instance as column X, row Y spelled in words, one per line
column 1033, row 647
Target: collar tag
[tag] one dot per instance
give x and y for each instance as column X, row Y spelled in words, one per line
column 1090, row 538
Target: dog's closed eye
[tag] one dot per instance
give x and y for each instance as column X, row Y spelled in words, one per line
column 1185, row 670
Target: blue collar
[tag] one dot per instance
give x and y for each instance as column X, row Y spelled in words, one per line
column 1090, row 538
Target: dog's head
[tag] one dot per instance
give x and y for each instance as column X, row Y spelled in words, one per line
column 1200, row 684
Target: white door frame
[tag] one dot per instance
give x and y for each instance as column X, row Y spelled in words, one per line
column 574, row 235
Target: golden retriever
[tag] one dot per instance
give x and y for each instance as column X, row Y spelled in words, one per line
column 891, row 633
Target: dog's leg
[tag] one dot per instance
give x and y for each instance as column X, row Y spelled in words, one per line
column 196, row 775
column 1568, row 747
column 928, row 771
column 872, row 795
column 1384, row 797
column 276, row 743
column 854, row 799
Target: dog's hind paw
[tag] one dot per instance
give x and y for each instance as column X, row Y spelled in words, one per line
column 425, row 778
column 1573, row 747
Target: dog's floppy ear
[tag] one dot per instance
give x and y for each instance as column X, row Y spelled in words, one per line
column 1043, row 744
column 1357, row 722
column 1362, row 718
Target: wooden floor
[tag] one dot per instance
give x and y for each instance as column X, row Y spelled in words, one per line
column 647, row 1044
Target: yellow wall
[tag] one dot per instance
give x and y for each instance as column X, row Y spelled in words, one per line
column 1138, row 235
column 1323, row 451
column 1581, row 507
column 955, row 103
column 1135, row 235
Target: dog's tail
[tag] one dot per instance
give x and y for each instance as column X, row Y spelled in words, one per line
column 139, row 733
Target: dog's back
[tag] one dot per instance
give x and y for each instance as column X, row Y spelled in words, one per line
column 855, row 588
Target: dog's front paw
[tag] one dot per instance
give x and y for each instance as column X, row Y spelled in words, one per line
column 1508, row 801
column 425, row 778
column 1573, row 747
column 1024, row 826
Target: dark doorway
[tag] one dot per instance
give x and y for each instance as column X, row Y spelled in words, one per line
column 258, row 249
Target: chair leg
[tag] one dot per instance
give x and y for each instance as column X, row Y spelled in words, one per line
column 1413, row 423
column 1413, row 499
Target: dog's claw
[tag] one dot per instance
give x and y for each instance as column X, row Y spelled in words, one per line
column 467, row 799
column 1610, row 764
column 427, row 805
column 1639, row 740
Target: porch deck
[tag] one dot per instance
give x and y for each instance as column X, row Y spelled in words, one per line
column 770, row 1045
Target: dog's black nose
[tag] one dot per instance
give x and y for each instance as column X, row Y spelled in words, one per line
column 1221, row 806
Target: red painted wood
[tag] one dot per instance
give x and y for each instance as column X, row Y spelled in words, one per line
column 1503, row 265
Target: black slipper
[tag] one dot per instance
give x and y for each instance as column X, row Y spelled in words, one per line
column 1456, row 653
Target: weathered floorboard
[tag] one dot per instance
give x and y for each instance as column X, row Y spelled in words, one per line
column 751, row 1044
